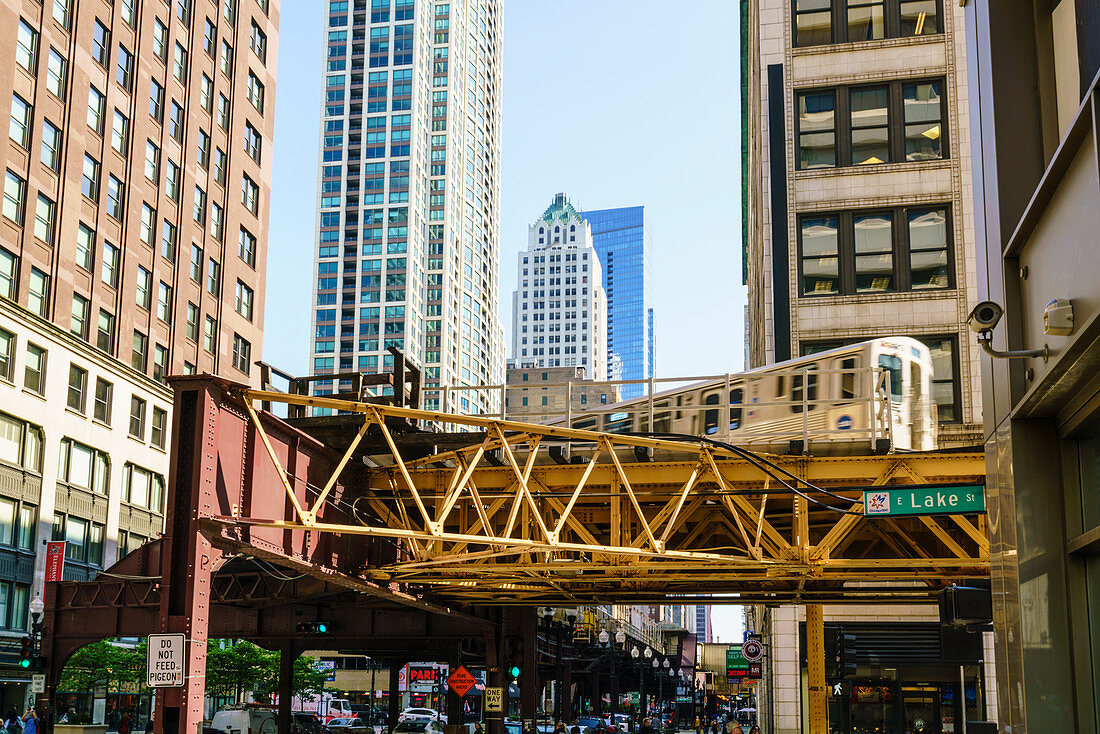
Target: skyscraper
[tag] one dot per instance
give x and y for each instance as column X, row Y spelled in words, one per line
column 619, row 238
column 407, row 251
column 559, row 312
column 132, row 246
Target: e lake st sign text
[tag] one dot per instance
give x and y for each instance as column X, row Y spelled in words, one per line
column 934, row 500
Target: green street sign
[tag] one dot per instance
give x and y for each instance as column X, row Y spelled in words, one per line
column 934, row 500
column 736, row 664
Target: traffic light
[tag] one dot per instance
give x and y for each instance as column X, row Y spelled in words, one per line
column 514, row 647
column 845, row 655
column 514, row 671
column 312, row 628
column 26, row 652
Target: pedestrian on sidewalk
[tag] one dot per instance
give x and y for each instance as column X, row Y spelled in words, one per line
column 30, row 721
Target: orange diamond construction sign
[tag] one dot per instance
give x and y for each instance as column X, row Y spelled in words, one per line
column 461, row 681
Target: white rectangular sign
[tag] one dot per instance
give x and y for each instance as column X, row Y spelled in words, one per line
column 494, row 700
column 38, row 683
column 166, row 663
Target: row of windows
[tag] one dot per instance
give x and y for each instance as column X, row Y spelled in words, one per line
column 885, row 123
column 818, row 22
column 875, row 251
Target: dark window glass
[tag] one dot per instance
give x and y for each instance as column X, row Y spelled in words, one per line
column 870, row 126
column 820, row 256
column 943, row 377
column 817, row 130
column 873, row 242
column 923, row 111
column 813, row 24
column 928, row 249
column 919, row 18
column 866, row 20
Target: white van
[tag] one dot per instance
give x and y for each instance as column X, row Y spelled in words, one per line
column 245, row 720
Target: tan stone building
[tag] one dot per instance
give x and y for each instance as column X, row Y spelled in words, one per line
column 859, row 224
column 133, row 235
column 538, row 394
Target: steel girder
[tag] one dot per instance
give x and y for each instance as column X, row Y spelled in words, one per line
column 526, row 514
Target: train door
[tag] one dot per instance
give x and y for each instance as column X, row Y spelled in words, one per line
column 917, row 408
column 890, row 419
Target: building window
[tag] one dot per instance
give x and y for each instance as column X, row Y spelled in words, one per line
column 192, row 321
column 250, row 195
column 83, row 539
column 96, row 107
column 26, row 47
column 851, row 126
column 221, row 161
column 242, row 353
column 78, row 324
column 78, row 388
column 164, row 301
column 204, row 149
column 137, row 417
column 43, row 219
column 105, row 335
column 90, row 183
column 9, row 265
column 158, row 429
column 252, row 142
column 148, row 224
column 7, row 354
column 101, row 410
column 51, row 145
column 168, row 240
column 152, row 161
column 179, row 63
column 200, row 205
column 56, row 66
column 34, row 369
column 213, row 277
column 139, row 350
column 114, row 197
column 19, row 127
column 37, row 298
column 901, row 249
column 206, row 93
column 246, row 247
column 101, row 44
column 255, row 92
column 210, row 335
column 160, row 39
column 124, row 74
column 819, row 22
column 945, row 381
column 227, row 58
column 120, row 127
column 176, row 122
column 258, row 43
column 196, row 263
column 244, row 300
column 144, row 285
column 144, row 488
column 109, row 274
column 20, row 443
column 14, row 190
column 18, row 527
column 223, row 112
column 172, row 181
column 156, row 101
column 160, row 362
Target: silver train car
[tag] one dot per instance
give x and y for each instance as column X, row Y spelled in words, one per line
column 872, row 396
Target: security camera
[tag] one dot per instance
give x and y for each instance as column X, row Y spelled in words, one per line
column 984, row 317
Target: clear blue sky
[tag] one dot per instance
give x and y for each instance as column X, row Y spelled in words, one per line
column 616, row 103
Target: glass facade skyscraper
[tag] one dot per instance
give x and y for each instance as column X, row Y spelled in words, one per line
column 619, row 238
column 407, row 251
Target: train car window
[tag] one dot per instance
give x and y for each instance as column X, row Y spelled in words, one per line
column 892, row 364
column 736, row 398
column 710, row 417
column 619, row 423
column 679, row 402
column 780, row 389
column 585, row 424
column 848, row 383
column 662, row 417
column 811, row 389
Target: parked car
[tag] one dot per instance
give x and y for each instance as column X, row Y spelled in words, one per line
column 513, row 727
column 348, row 726
column 245, row 720
column 591, row 725
column 413, row 714
column 418, row 726
column 302, row 722
column 623, row 722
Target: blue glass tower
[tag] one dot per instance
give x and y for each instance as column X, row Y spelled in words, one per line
column 619, row 238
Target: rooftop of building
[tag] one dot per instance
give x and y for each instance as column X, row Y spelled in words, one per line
column 560, row 210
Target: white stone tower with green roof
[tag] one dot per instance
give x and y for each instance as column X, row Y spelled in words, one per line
column 559, row 309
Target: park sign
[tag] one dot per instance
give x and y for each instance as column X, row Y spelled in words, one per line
column 737, row 667
column 927, row 500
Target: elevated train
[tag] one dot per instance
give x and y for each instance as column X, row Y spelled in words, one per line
column 875, row 395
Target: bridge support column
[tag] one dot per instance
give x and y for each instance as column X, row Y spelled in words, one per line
column 394, row 703
column 495, row 678
column 288, row 653
column 529, row 684
column 815, row 663
column 454, row 701
column 567, row 693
